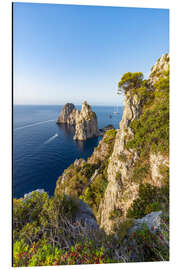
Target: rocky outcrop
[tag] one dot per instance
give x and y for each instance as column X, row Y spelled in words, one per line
column 152, row 221
column 158, row 69
column 65, row 113
column 104, row 149
column 120, row 167
column 157, row 161
column 84, row 121
column 85, row 215
column 114, row 160
column 121, row 191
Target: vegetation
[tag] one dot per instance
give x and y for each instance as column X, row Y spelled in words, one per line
column 95, row 192
column 110, row 136
column 115, row 214
column 151, row 130
column 77, row 178
column 45, row 232
column 122, row 157
column 150, row 199
column 130, row 81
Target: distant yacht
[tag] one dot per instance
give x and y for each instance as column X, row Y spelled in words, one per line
column 116, row 110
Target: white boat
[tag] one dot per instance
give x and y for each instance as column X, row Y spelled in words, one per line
column 116, row 111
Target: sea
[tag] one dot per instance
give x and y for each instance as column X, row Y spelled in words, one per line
column 42, row 150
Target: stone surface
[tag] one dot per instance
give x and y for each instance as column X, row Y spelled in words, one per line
column 152, row 220
column 157, row 160
column 84, row 121
column 66, row 111
column 121, row 192
column 158, row 69
column 85, row 215
column 28, row 195
column 114, row 194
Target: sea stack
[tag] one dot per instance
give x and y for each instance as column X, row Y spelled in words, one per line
column 84, row 121
column 66, row 111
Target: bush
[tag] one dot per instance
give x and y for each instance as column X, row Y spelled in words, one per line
column 122, row 157
column 151, row 130
column 150, row 199
column 130, row 81
column 95, row 192
column 115, row 214
column 110, row 136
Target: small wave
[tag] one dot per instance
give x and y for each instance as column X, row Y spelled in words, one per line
column 51, row 138
column 35, row 124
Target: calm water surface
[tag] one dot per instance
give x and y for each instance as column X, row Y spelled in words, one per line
column 42, row 149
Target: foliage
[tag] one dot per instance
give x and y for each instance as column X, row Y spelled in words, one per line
column 140, row 171
column 150, row 199
column 115, row 213
column 109, row 136
column 122, row 157
column 122, row 228
column 55, row 238
column 88, row 169
column 130, row 81
column 151, row 130
column 150, row 245
column 95, row 192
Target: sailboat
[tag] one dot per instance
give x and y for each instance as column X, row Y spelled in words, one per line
column 116, row 111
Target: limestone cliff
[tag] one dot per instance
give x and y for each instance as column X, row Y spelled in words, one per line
column 66, row 112
column 127, row 174
column 121, row 191
column 84, row 121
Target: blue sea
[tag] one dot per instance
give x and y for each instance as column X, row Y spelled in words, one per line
column 42, row 150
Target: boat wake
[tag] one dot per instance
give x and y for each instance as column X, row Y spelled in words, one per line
column 35, row 124
column 51, row 139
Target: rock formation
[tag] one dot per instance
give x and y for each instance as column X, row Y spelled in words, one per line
column 84, row 121
column 121, row 192
column 115, row 162
column 66, row 111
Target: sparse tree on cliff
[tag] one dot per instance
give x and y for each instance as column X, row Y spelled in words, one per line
column 130, row 81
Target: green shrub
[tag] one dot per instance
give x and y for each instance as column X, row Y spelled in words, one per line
column 150, row 245
column 115, row 214
column 122, row 157
column 110, row 136
column 152, row 128
column 95, row 192
column 150, row 199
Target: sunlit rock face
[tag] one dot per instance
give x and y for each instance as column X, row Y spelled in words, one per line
column 65, row 113
column 84, row 121
column 121, row 191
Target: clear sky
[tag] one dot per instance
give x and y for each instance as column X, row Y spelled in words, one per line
column 66, row 53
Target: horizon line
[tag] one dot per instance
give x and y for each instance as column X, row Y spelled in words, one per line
column 64, row 104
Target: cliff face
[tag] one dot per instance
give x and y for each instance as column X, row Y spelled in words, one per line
column 121, row 191
column 127, row 175
column 84, row 121
column 66, row 112
column 158, row 69
column 120, row 166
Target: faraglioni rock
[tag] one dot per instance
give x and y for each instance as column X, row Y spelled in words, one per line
column 66, row 111
column 84, row 121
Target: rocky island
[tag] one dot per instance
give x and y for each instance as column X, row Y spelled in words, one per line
column 84, row 121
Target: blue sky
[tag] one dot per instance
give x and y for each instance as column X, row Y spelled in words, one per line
column 66, row 53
